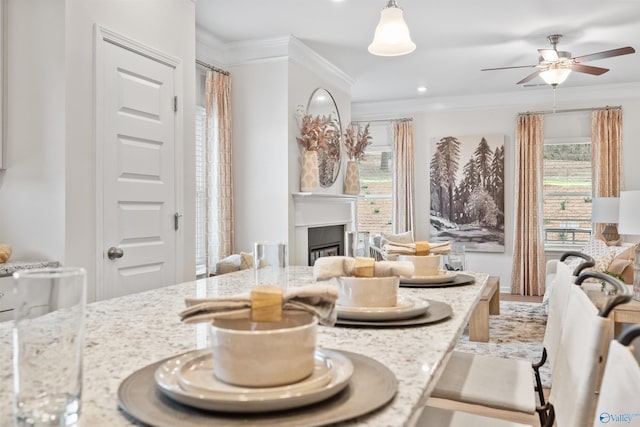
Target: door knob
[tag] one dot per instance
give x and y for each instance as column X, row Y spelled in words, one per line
column 114, row 253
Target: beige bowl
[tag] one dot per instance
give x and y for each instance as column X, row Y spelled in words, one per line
column 264, row 354
column 368, row 291
column 427, row 265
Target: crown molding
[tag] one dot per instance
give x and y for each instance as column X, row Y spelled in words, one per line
column 302, row 54
column 211, row 49
column 531, row 98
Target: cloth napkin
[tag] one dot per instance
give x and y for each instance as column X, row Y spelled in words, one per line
column 316, row 299
column 395, row 249
column 336, row 266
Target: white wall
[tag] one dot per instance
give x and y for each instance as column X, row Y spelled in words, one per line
column 260, row 162
column 32, row 188
column 494, row 120
column 47, row 194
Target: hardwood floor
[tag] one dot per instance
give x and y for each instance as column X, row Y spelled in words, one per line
column 519, row 298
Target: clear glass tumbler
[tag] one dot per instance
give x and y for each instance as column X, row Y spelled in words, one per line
column 455, row 260
column 270, row 263
column 47, row 346
column 356, row 244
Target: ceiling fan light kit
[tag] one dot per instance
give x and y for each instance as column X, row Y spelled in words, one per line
column 555, row 74
column 554, row 66
column 392, row 36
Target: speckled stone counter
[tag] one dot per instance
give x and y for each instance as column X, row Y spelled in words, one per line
column 8, row 268
column 125, row 334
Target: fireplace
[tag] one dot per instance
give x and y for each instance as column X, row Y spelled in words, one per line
column 325, row 241
column 313, row 211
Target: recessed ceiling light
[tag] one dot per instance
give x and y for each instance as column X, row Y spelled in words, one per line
column 422, row 89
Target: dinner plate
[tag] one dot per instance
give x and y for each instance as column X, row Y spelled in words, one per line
column 371, row 386
column 443, row 276
column 222, row 399
column 194, row 372
column 437, row 312
column 405, row 308
column 458, row 280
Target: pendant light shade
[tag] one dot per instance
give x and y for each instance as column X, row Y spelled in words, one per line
column 392, row 36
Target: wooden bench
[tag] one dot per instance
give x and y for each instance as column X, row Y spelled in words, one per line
column 489, row 304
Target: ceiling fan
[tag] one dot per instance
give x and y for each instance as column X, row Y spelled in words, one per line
column 554, row 66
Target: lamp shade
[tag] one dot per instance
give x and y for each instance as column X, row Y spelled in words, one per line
column 604, row 210
column 629, row 219
column 392, row 36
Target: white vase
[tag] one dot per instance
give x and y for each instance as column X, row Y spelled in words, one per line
column 352, row 178
column 309, row 177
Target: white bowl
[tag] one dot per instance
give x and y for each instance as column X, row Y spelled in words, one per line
column 264, row 354
column 425, row 265
column 368, row 291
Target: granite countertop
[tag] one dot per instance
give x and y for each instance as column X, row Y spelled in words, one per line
column 126, row 334
column 8, row 268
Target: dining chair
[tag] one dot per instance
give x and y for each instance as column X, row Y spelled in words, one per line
column 504, row 384
column 620, row 384
column 513, row 375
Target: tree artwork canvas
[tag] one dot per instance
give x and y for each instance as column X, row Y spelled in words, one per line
column 467, row 192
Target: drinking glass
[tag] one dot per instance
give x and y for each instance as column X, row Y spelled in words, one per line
column 47, row 346
column 270, row 263
column 356, row 244
column 455, row 260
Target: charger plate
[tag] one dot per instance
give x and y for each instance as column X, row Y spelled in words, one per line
column 437, row 312
column 372, row 386
column 418, row 282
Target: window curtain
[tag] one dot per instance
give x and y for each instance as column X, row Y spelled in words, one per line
column 219, row 239
column 403, row 182
column 606, row 153
column 527, row 277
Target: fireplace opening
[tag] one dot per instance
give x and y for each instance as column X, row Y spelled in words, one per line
column 325, row 241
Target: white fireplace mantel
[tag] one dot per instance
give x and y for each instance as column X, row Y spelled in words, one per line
column 319, row 210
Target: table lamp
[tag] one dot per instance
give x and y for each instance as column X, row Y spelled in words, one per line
column 629, row 221
column 604, row 210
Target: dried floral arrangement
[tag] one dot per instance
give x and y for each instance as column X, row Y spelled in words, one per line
column 318, row 133
column 356, row 140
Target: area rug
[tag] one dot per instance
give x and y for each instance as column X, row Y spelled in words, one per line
column 516, row 333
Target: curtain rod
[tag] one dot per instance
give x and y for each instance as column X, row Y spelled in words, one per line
column 211, row 67
column 403, row 119
column 571, row 110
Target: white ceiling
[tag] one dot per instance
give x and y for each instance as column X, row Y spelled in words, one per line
column 455, row 39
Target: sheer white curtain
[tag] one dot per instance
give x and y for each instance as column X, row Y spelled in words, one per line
column 219, row 234
column 403, row 180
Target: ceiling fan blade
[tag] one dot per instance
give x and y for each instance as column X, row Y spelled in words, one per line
column 508, row 68
column 606, row 54
column 529, row 77
column 550, row 55
column 596, row 71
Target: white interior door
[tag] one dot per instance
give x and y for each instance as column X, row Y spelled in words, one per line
column 136, row 108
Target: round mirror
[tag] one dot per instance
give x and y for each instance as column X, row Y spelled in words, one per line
column 321, row 104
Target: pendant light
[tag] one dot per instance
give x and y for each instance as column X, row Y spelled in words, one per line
column 392, row 36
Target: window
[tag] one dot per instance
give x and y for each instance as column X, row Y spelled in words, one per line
column 201, row 211
column 375, row 209
column 567, row 193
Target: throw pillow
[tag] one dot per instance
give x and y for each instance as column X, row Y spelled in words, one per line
column 617, row 266
column 246, row 260
column 600, row 252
